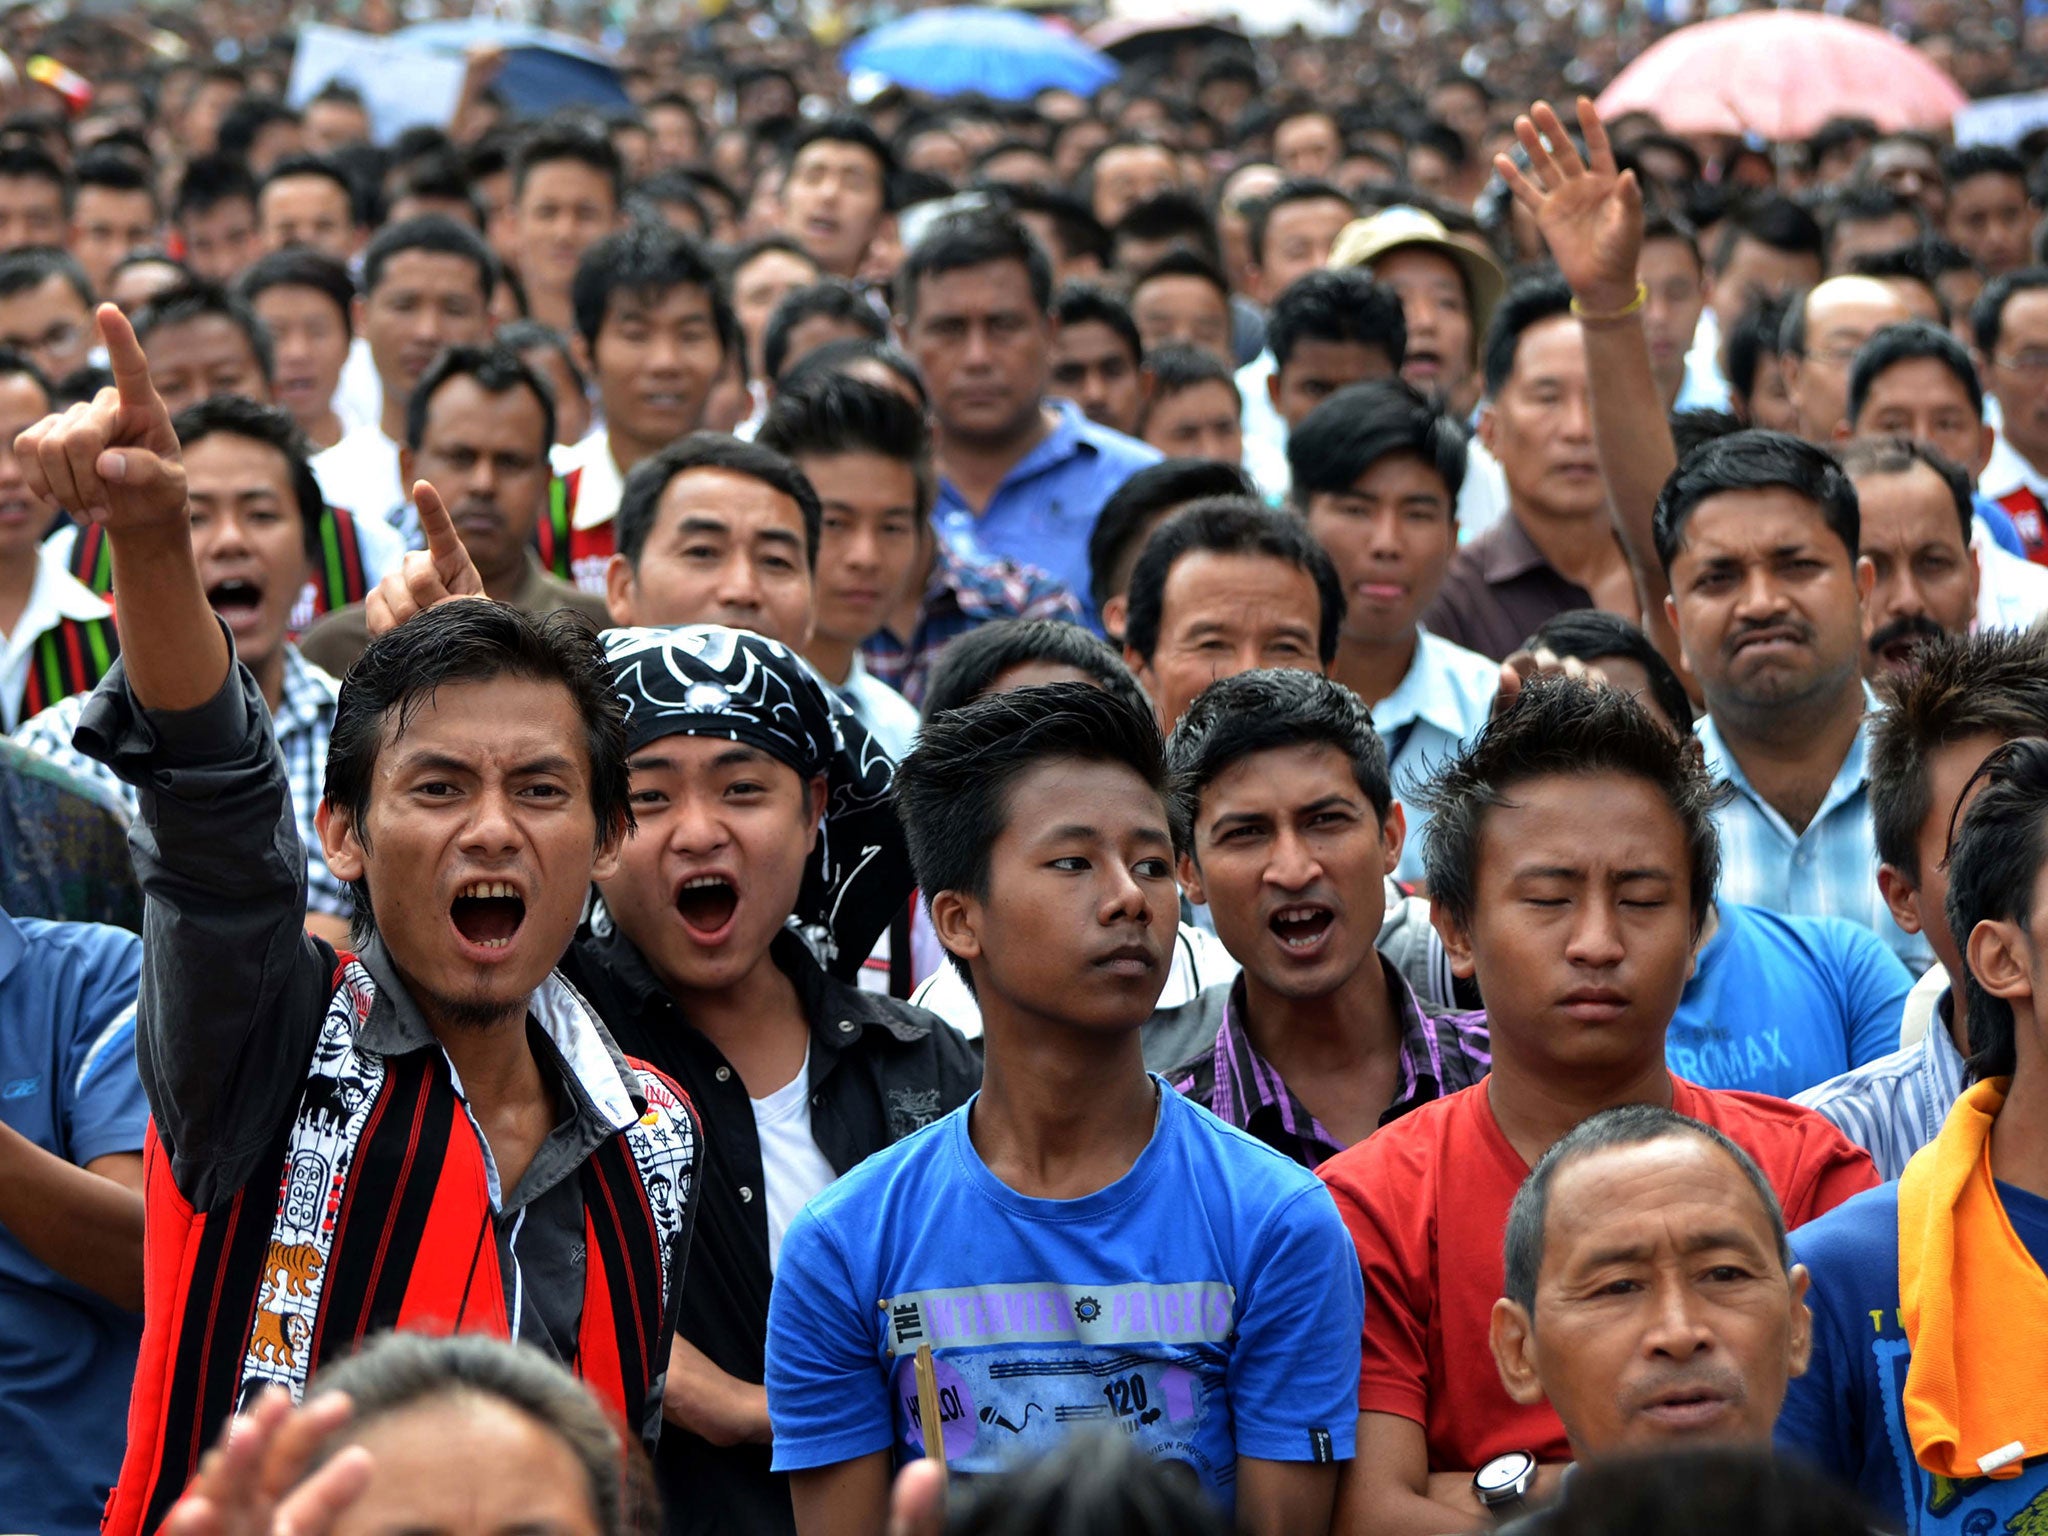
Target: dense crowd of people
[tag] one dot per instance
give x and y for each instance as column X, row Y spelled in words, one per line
column 1304, row 797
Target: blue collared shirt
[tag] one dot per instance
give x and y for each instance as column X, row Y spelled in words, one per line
column 1828, row 870
column 67, row 1083
column 1046, row 506
column 1437, row 708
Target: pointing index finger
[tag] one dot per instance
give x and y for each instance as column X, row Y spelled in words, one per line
column 443, row 542
column 124, row 357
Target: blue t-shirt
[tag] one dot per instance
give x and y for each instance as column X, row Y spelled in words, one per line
column 1780, row 1003
column 67, row 1083
column 1208, row 1303
column 1846, row 1413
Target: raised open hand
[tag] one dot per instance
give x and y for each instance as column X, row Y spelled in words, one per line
column 437, row 574
column 113, row 459
column 253, row 1482
column 1591, row 214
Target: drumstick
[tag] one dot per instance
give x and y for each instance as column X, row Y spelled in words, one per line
column 928, row 1408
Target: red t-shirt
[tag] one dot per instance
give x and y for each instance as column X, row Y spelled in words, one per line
column 1426, row 1199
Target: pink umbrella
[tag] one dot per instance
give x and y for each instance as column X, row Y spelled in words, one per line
column 1781, row 74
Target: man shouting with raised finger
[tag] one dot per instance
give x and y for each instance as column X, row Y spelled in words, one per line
column 431, row 1132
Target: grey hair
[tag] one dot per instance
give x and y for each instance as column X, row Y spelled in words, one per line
column 1628, row 1125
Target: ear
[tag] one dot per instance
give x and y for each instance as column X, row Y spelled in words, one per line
column 957, row 919
column 1394, row 834
column 1488, row 428
column 1866, row 578
column 406, row 460
column 606, row 863
column 618, row 591
column 1901, row 895
column 1997, row 958
column 1976, row 575
column 1671, row 618
column 584, row 355
column 1513, row 1338
column 339, row 844
column 1987, row 439
column 1273, row 388
column 815, row 794
column 1457, row 942
column 1191, row 879
column 1800, row 1344
column 1114, row 612
column 1843, row 432
column 357, row 309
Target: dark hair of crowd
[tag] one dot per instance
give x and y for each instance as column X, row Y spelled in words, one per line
column 113, row 170
column 1594, row 635
column 844, row 128
column 436, row 234
column 497, row 370
column 1093, row 1483
column 648, row 260
column 31, row 266
column 22, row 160
column 237, row 416
column 1301, row 189
column 471, row 643
column 1228, row 525
column 1716, row 1491
column 838, row 357
column 1898, row 455
column 952, row 791
column 202, row 300
column 1181, row 262
column 1987, row 316
column 1083, row 303
column 1174, row 215
column 968, row 667
column 1627, row 1125
column 835, row 413
column 640, row 499
column 301, row 266
column 829, row 298
column 1775, row 221
column 1751, row 461
column 976, row 238
column 1753, row 338
column 524, row 336
column 1267, row 710
column 1133, row 507
column 1527, row 305
column 209, row 181
column 568, row 138
column 1992, row 683
column 1176, row 366
column 1996, row 851
column 1560, row 726
column 1343, row 304
column 1347, row 434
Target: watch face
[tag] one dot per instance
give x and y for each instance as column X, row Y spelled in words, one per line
column 1502, row 1473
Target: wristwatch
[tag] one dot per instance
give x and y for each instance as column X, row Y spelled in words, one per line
column 1502, row 1485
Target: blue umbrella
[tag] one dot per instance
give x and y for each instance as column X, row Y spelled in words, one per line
column 960, row 49
column 543, row 72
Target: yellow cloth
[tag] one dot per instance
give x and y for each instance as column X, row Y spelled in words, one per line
column 1972, row 1301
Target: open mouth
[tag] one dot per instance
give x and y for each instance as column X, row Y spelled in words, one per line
column 235, row 599
column 488, row 913
column 1300, row 927
column 706, row 904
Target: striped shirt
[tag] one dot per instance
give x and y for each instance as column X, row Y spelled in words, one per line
column 1828, row 869
column 1440, row 1053
column 963, row 595
column 1895, row 1105
column 303, row 721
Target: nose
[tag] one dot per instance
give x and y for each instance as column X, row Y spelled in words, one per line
column 1595, row 940
column 482, row 479
column 222, row 538
column 1292, row 866
column 1575, row 421
column 739, row 584
column 1123, row 899
column 492, row 829
column 1758, row 596
column 1678, row 1329
column 1421, row 314
column 693, row 825
column 861, row 550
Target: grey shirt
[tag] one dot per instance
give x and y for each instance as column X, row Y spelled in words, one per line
column 234, row 991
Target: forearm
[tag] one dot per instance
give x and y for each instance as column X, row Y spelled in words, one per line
column 1369, row 1507
column 83, row 1224
column 175, row 652
column 1633, row 439
column 713, row 1403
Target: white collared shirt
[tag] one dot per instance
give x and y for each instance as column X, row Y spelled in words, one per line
column 56, row 596
column 598, row 492
column 2008, row 470
column 1438, row 706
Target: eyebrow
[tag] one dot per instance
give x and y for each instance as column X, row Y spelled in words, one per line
column 778, row 536
column 1699, row 1242
column 731, row 757
column 1075, row 831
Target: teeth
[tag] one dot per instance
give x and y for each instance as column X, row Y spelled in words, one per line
column 494, row 944
column 1297, row 914
column 487, row 889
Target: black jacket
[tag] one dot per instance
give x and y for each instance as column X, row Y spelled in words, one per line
column 879, row 1069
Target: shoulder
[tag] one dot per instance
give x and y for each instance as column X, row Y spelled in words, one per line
column 93, row 944
column 1857, row 1239
column 1787, row 1139
column 1403, row 1156
column 1111, row 445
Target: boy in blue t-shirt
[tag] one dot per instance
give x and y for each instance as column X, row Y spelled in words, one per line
column 1079, row 1245
column 1929, row 1296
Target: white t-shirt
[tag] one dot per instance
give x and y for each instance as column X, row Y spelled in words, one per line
column 793, row 1170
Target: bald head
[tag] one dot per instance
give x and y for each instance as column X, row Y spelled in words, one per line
column 1837, row 318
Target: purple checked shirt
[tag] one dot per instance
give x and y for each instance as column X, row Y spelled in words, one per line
column 1440, row 1053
